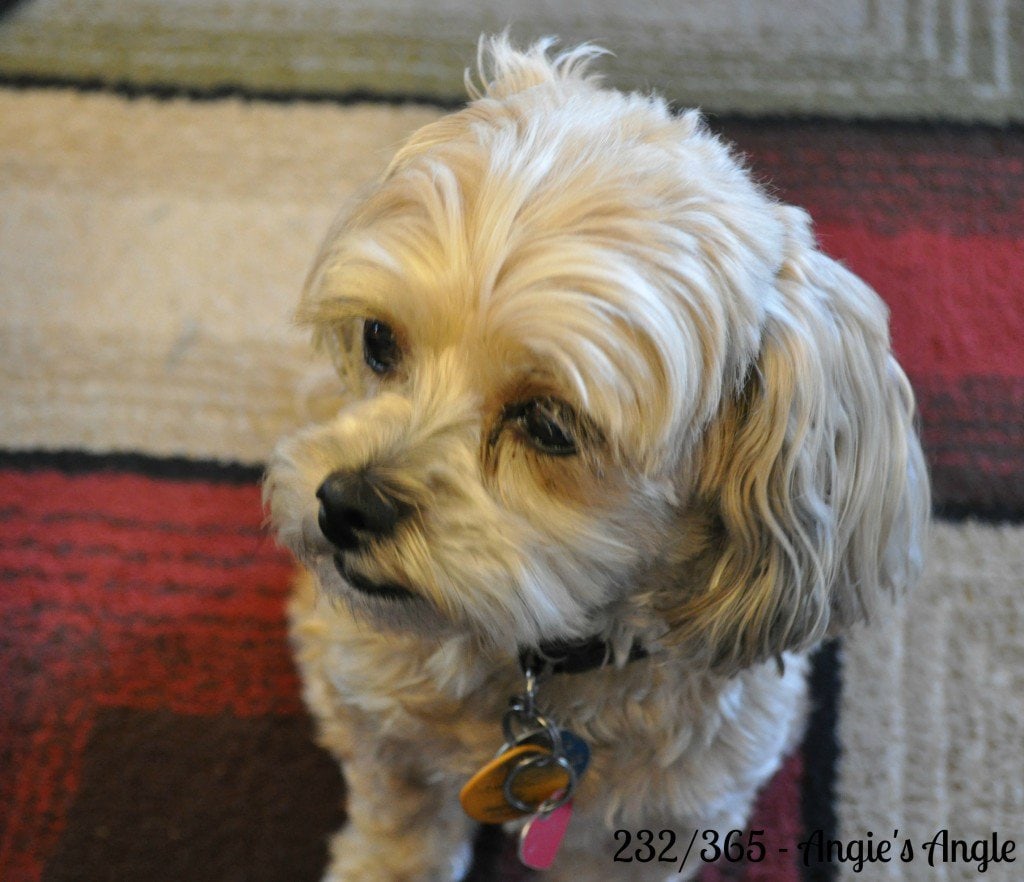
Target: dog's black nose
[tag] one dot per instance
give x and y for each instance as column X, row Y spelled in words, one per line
column 354, row 506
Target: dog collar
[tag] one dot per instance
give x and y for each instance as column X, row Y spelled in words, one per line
column 572, row 656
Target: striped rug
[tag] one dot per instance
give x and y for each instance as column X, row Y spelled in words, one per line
column 150, row 724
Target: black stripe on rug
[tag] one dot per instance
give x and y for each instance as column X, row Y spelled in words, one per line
column 173, row 91
column 7, row 5
column 821, row 756
column 979, row 495
column 177, row 468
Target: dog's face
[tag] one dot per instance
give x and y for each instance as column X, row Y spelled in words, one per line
column 551, row 320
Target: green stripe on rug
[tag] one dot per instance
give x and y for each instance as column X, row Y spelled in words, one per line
column 946, row 59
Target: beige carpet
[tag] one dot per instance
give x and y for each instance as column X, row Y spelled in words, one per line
column 932, row 720
column 150, row 253
column 150, row 256
column 952, row 59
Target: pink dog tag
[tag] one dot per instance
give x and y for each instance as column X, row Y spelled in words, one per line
column 542, row 836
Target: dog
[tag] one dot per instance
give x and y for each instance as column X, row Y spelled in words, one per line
column 605, row 407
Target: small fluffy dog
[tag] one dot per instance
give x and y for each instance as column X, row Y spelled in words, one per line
column 604, row 401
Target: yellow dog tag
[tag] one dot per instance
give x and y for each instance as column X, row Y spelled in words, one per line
column 483, row 796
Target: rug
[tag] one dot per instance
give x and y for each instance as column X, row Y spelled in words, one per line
column 151, row 716
column 173, row 235
column 150, row 724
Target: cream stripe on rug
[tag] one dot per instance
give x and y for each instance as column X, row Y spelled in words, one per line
column 150, row 256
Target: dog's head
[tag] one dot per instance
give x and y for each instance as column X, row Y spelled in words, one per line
column 596, row 380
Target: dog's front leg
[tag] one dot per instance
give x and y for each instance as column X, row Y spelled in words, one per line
column 401, row 827
column 404, row 821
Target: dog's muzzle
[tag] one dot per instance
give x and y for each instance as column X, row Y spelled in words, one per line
column 355, row 509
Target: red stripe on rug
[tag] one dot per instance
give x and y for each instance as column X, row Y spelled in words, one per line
column 772, row 856
column 893, row 177
column 125, row 591
column 957, row 302
column 134, row 546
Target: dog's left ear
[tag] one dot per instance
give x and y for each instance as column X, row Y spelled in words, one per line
column 814, row 470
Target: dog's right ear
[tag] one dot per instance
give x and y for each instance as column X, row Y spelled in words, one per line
column 814, row 472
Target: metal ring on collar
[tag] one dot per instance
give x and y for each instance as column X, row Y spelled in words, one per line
column 539, row 760
column 531, row 725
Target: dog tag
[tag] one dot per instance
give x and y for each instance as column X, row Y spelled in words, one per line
column 534, row 781
column 542, row 836
column 576, row 751
column 570, row 745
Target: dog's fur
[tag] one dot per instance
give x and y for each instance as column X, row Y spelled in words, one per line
column 747, row 479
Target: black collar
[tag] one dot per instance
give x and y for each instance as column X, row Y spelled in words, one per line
column 573, row 656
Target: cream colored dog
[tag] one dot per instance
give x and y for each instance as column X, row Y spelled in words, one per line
column 600, row 389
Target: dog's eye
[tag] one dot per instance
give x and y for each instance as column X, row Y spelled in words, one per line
column 544, row 423
column 380, row 348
